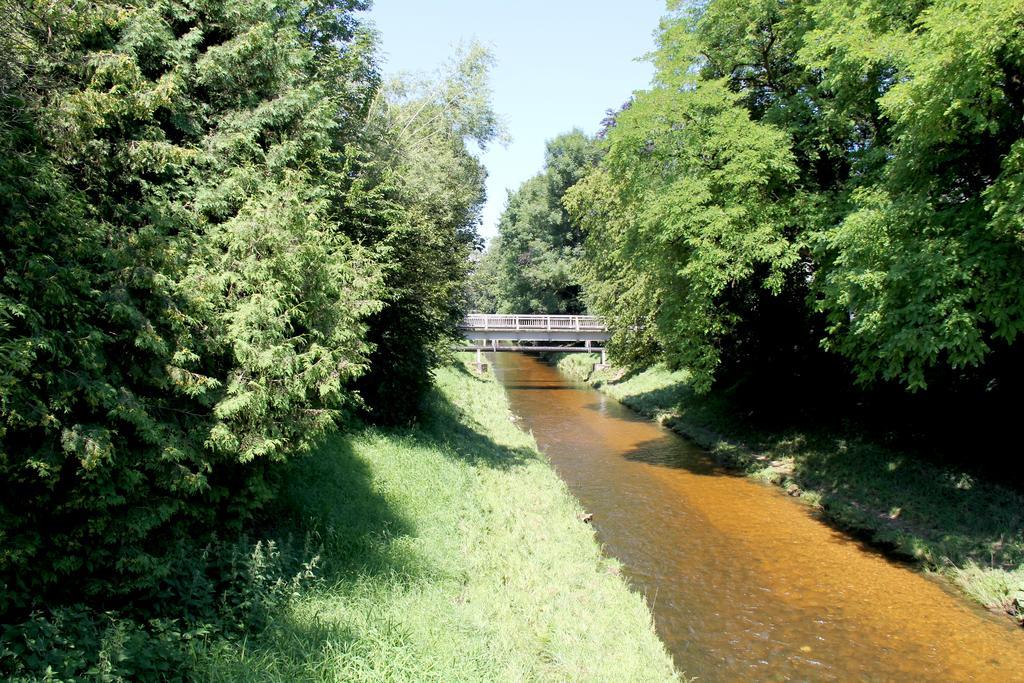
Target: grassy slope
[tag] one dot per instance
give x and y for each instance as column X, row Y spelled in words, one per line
column 968, row 529
column 452, row 552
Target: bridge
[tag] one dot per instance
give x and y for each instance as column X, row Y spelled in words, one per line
column 561, row 333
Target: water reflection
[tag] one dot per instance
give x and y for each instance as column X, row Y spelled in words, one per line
column 746, row 584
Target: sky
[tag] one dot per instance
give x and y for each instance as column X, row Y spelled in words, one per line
column 561, row 64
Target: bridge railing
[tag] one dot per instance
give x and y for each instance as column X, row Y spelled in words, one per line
column 489, row 321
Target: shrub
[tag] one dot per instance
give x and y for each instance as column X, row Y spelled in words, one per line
column 181, row 304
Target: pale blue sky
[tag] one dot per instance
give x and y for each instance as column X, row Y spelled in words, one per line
column 560, row 64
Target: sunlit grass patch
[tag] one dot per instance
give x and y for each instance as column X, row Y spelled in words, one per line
column 452, row 552
column 1000, row 589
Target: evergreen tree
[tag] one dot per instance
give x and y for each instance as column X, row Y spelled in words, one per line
column 182, row 301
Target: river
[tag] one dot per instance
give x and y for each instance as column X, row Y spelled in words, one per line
column 744, row 582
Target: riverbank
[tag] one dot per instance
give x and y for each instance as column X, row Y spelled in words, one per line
column 450, row 551
column 963, row 527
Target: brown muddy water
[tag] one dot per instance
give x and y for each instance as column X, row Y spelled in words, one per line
column 746, row 583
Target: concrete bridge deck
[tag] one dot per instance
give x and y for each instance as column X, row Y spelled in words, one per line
column 483, row 327
column 562, row 333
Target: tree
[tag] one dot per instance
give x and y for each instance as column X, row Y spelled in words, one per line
column 429, row 191
column 484, row 280
column 696, row 195
column 877, row 213
column 539, row 245
column 925, row 271
column 182, row 303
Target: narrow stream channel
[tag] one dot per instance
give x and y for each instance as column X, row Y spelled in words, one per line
column 744, row 582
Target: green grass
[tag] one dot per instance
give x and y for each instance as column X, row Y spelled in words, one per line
column 953, row 522
column 450, row 552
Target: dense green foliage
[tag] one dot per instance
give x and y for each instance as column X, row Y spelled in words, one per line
column 213, row 222
column 927, row 266
column 696, row 217
column 187, row 306
column 836, row 173
column 530, row 265
column 429, row 194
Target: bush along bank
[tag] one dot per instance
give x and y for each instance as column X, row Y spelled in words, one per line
column 952, row 521
column 450, row 551
column 444, row 551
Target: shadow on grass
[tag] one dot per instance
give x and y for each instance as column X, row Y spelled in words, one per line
column 329, row 495
column 458, row 434
column 332, row 496
column 289, row 650
column 329, row 498
column 712, row 411
column 913, row 506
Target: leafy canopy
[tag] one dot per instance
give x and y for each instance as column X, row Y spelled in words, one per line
column 846, row 170
column 538, row 245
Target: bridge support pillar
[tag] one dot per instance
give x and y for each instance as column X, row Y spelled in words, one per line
column 480, row 366
column 603, row 365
